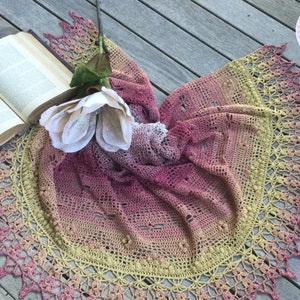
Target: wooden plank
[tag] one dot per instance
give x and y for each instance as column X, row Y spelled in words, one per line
column 6, row 28
column 12, row 285
column 286, row 11
column 219, row 35
column 285, row 290
column 35, row 18
column 161, row 69
column 181, row 46
column 256, row 24
column 4, row 295
column 9, row 286
column 185, row 53
column 294, row 264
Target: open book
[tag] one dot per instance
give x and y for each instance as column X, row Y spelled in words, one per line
column 31, row 80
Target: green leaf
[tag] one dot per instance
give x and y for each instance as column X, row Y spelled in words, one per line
column 94, row 72
column 100, row 64
column 83, row 75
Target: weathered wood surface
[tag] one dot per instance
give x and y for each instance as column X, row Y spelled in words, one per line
column 174, row 41
column 285, row 11
column 255, row 24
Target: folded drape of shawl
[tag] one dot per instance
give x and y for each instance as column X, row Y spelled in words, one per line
column 203, row 204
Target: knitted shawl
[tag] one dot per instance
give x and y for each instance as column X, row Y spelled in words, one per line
column 203, row 205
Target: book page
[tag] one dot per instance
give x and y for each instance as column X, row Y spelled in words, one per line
column 10, row 122
column 28, row 78
column 8, row 117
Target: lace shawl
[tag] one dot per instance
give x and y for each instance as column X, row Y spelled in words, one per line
column 204, row 204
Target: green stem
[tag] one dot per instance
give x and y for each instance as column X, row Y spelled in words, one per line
column 102, row 46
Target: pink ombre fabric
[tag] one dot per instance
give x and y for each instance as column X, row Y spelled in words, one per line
column 203, row 205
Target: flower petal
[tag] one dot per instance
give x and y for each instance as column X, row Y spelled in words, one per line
column 116, row 131
column 94, row 102
column 126, row 125
column 56, row 139
column 47, row 115
column 113, row 96
column 71, row 125
column 102, row 143
column 77, row 127
column 74, row 146
column 125, row 132
column 78, row 105
column 112, row 130
column 50, row 118
column 58, row 108
column 90, row 103
column 57, row 122
column 80, row 144
column 99, row 137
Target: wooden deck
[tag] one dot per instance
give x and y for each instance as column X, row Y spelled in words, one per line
column 174, row 41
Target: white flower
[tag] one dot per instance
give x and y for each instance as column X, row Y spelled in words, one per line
column 71, row 125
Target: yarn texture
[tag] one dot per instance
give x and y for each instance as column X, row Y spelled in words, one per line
column 203, row 205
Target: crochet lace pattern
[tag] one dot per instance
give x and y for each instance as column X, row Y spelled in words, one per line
column 204, row 204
